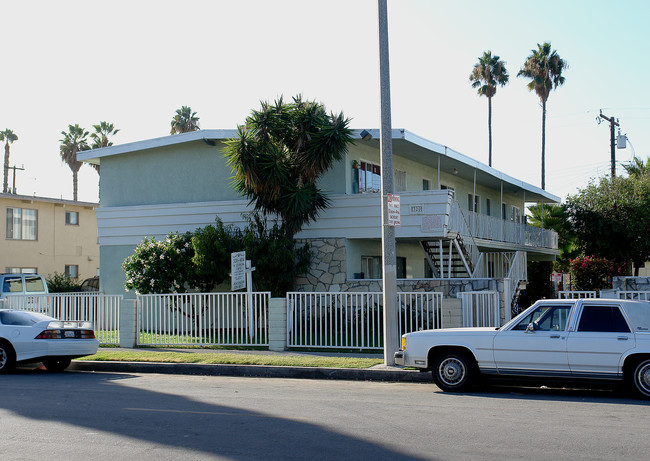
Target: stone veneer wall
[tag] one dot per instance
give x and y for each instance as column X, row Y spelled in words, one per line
column 328, row 273
column 631, row 283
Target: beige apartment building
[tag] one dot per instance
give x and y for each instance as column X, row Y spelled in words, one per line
column 46, row 235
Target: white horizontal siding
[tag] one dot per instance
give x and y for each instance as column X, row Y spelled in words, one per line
column 351, row 216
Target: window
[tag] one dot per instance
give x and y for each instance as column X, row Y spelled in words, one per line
column 371, row 267
column 603, row 319
column 71, row 271
column 12, row 285
column 22, row 224
column 516, row 214
column 504, row 215
column 21, row 270
column 369, row 177
column 449, row 188
column 473, row 201
column 487, row 207
column 400, row 181
column 426, row 184
column 546, row 318
column 72, row 218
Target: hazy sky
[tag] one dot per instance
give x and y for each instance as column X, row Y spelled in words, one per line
column 133, row 63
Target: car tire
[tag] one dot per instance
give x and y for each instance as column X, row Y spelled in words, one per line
column 7, row 357
column 453, row 371
column 641, row 378
column 56, row 365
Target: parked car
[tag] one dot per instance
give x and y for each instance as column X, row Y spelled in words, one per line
column 588, row 339
column 91, row 284
column 22, row 284
column 33, row 337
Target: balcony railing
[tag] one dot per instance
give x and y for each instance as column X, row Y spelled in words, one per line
column 490, row 228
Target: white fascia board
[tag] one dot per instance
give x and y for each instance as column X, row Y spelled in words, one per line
column 93, row 156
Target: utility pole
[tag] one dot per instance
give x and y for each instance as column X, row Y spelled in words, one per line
column 389, row 259
column 14, row 182
column 612, row 139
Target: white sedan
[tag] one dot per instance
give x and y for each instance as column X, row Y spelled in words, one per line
column 595, row 339
column 32, row 337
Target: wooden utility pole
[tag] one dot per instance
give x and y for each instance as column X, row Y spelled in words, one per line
column 612, row 139
column 14, row 182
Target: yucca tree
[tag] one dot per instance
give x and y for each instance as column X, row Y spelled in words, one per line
column 184, row 121
column 101, row 137
column 488, row 73
column 279, row 154
column 8, row 137
column 544, row 67
column 74, row 140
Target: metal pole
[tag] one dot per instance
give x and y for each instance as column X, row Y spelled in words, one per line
column 391, row 333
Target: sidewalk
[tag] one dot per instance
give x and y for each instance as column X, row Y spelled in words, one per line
column 375, row 373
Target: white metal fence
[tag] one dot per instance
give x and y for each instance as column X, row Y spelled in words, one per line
column 576, row 294
column 481, row 308
column 102, row 310
column 355, row 320
column 203, row 319
column 638, row 295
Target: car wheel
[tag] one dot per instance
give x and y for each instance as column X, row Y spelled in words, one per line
column 453, row 371
column 7, row 357
column 641, row 378
column 56, row 365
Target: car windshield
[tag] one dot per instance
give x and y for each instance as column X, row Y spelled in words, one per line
column 22, row 318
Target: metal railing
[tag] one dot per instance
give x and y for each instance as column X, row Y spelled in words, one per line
column 480, row 308
column 355, row 320
column 101, row 309
column 203, row 319
column 637, row 295
column 493, row 228
column 577, row 294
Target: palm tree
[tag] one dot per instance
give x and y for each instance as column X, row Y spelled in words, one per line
column 74, row 140
column 184, row 121
column 638, row 168
column 544, row 67
column 489, row 72
column 8, row 137
column 101, row 136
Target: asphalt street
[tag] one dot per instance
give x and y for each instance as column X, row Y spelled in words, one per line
column 101, row 415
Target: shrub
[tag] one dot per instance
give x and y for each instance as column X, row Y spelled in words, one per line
column 594, row 273
column 59, row 283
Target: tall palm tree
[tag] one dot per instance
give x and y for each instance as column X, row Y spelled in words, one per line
column 184, row 121
column 489, row 72
column 8, row 137
column 637, row 168
column 74, row 140
column 101, row 137
column 544, row 67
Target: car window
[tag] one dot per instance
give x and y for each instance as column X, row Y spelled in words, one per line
column 12, row 285
column 34, row 285
column 546, row 318
column 21, row 318
column 603, row 318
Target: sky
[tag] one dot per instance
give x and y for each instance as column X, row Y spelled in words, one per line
column 133, row 63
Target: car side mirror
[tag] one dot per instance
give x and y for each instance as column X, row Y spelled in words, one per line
column 532, row 326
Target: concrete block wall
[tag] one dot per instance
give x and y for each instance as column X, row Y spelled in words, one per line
column 128, row 330
column 278, row 324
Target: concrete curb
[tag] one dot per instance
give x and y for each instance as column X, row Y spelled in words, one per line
column 260, row 371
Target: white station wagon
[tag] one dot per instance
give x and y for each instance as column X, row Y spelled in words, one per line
column 595, row 339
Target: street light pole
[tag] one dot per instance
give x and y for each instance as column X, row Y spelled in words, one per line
column 389, row 271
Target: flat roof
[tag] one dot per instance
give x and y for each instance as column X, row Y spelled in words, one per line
column 408, row 144
column 34, row 198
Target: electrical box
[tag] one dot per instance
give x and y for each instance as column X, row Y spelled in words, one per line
column 621, row 141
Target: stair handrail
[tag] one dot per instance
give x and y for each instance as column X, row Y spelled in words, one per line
column 457, row 220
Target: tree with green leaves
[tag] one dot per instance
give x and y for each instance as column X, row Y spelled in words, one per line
column 279, row 154
column 556, row 217
column 8, row 137
column 101, row 137
column 184, row 121
column 488, row 73
column 544, row 67
column 637, row 168
column 74, row 140
column 611, row 218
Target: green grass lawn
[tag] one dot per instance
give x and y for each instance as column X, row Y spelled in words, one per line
column 234, row 359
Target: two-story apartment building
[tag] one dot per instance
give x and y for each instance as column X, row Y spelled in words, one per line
column 47, row 235
column 462, row 222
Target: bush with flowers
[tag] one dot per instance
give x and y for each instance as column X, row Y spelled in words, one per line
column 594, row 273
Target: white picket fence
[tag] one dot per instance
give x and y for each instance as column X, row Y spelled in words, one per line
column 354, row 320
column 481, row 309
column 203, row 319
column 103, row 310
column 577, row 294
column 633, row 295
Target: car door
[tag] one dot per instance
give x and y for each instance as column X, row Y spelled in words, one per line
column 598, row 340
column 536, row 345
